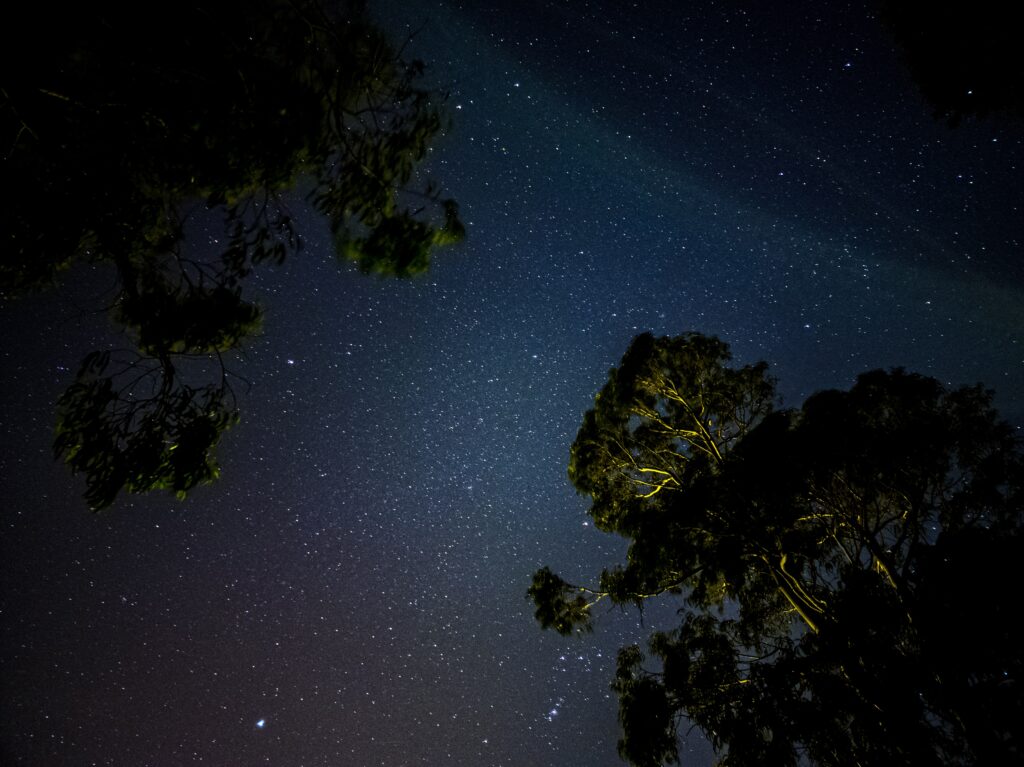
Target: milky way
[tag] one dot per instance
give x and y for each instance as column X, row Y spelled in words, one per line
column 352, row 591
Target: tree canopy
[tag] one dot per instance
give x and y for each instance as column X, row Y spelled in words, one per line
column 120, row 123
column 842, row 570
column 964, row 56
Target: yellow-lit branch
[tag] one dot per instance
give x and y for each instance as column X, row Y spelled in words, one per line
column 656, row 487
column 671, row 392
column 806, row 606
column 699, row 438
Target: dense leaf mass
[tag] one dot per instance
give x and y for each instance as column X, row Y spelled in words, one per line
column 838, row 567
column 963, row 56
column 119, row 123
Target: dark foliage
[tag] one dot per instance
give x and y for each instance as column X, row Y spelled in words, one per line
column 117, row 122
column 964, row 56
column 843, row 571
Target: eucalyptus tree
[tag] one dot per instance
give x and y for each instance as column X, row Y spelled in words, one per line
column 120, row 123
column 841, row 570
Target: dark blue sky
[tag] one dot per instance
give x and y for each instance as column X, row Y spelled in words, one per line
column 356, row 580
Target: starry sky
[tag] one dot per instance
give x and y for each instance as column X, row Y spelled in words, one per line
column 352, row 591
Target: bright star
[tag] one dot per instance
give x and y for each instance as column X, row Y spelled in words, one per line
column 260, row 723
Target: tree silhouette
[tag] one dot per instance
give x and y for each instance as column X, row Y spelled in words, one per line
column 841, row 569
column 118, row 125
column 964, row 56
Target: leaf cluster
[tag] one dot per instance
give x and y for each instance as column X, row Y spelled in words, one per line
column 162, row 439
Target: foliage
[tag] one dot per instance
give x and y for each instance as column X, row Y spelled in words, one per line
column 837, row 567
column 120, row 441
column 115, row 133
column 964, row 57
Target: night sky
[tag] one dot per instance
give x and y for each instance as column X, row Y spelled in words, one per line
column 352, row 591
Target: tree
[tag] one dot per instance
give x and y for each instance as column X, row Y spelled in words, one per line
column 831, row 563
column 119, row 125
column 963, row 56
